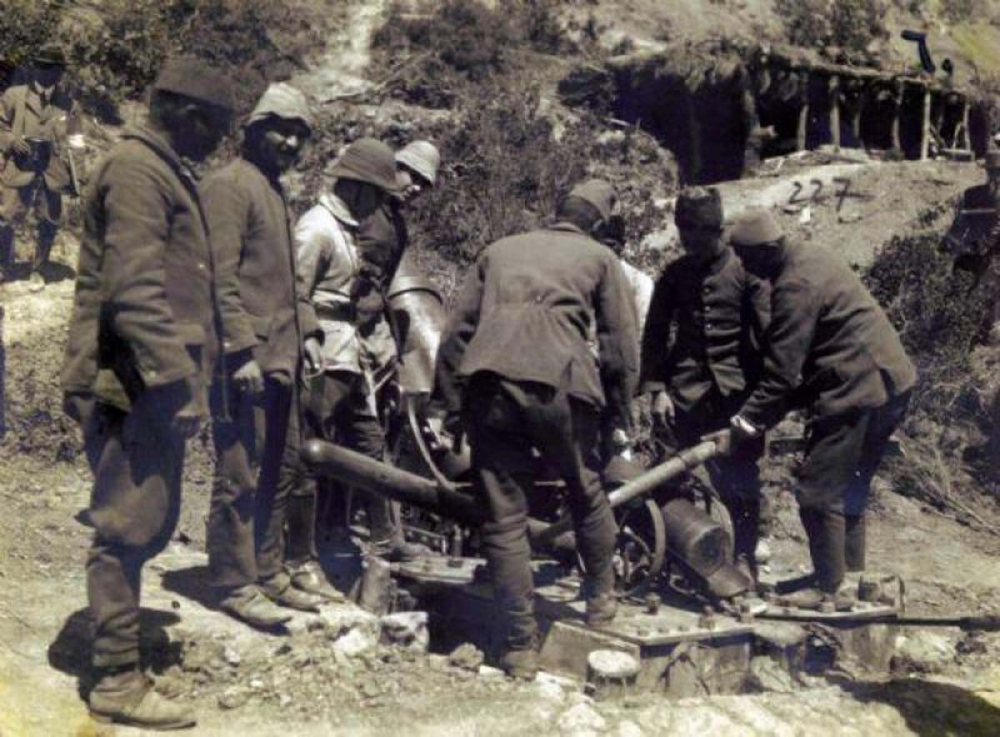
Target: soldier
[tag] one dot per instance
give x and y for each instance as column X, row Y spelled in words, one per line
column 831, row 345
column 264, row 321
column 348, row 249
column 717, row 312
column 417, row 164
column 140, row 341
column 515, row 365
column 33, row 125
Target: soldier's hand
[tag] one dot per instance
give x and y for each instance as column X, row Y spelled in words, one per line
column 248, row 378
column 723, row 440
column 314, row 355
column 186, row 420
column 662, row 408
column 20, row 147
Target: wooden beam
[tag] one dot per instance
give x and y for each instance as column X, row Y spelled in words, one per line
column 925, row 125
column 833, row 89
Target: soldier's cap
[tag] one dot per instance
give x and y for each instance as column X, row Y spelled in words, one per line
column 281, row 100
column 194, row 78
column 368, row 160
column 698, row 207
column 423, row 157
column 598, row 193
column 50, row 54
column 755, row 228
column 992, row 160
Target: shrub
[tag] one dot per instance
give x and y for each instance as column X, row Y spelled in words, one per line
column 24, row 26
column 938, row 314
column 849, row 24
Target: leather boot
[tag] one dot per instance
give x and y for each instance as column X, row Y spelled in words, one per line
column 829, row 563
column 601, row 609
column 854, row 548
column 279, row 589
column 521, row 663
column 126, row 696
column 309, row 577
column 249, row 605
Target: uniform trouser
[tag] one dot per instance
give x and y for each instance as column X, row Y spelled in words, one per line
column 335, row 411
column 14, row 204
column 843, row 452
column 735, row 478
column 137, row 462
column 280, row 500
column 249, row 447
column 506, row 419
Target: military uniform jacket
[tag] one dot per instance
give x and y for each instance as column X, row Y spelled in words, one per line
column 525, row 313
column 717, row 313
column 251, row 240
column 828, row 333
column 144, row 312
column 25, row 113
column 331, row 249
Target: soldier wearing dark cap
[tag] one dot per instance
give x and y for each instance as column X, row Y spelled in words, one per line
column 829, row 345
column 142, row 338
column 717, row 312
column 516, row 367
column 349, row 246
column 34, row 121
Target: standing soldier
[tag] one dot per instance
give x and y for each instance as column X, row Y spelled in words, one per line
column 830, row 345
column 33, row 125
column 142, row 337
column 349, row 246
column 717, row 312
column 515, row 364
column 263, row 324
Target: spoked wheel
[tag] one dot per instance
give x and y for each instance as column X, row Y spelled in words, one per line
column 641, row 548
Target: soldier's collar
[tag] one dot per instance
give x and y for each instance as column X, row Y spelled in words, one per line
column 338, row 209
column 567, row 226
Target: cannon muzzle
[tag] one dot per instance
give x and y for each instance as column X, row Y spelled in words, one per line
column 376, row 477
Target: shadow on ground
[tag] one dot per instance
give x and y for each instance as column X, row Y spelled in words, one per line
column 70, row 652
column 931, row 708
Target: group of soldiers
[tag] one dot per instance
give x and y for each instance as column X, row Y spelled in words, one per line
column 197, row 299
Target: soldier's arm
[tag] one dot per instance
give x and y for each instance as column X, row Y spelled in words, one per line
column 618, row 341
column 227, row 211
column 137, row 202
column 794, row 314
column 457, row 335
column 312, row 258
column 655, row 371
column 6, row 121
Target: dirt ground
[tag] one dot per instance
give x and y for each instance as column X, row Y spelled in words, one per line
column 334, row 673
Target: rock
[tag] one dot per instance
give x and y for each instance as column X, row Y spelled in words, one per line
column 923, row 651
column 467, row 657
column 231, row 656
column 767, row 674
column 628, row 729
column 233, row 698
column 407, row 629
column 488, row 671
column 581, row 718
column 355, row 642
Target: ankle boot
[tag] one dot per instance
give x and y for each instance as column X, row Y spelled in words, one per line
column 126, row 696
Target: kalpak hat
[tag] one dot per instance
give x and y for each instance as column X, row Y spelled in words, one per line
column 754, row 229
column 698, row 207
column 197, row 80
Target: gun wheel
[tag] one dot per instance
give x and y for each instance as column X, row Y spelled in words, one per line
column 642, row 546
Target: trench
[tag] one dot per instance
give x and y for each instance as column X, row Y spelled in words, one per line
column 721, row 117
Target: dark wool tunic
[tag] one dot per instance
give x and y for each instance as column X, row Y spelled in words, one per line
column 718, row 312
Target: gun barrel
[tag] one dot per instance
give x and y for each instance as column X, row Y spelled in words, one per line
column 376, row 477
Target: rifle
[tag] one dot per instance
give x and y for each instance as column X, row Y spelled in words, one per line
column 984, row 623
